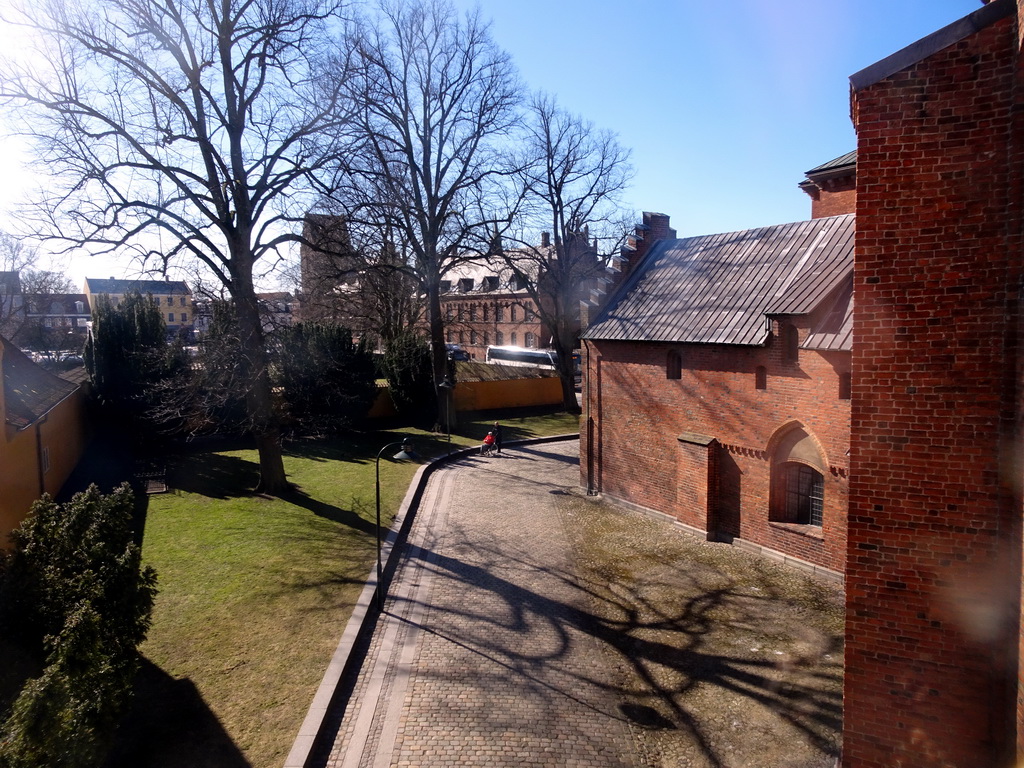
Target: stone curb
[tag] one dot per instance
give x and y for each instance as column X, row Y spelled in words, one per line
column 364, row 614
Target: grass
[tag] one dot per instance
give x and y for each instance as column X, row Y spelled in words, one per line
column 255, row 591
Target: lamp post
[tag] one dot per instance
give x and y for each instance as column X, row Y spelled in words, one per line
column 447, row 386
column 405, row 453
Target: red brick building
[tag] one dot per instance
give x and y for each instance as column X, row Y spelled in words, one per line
column 933, row 631
column 717, row 386
column 485, row 304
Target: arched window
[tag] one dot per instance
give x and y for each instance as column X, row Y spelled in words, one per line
column 514, row 340
column 512, row 312
column 798, row 480
column 674, row 365
column 530, row 342
column 472, row 337
column 499, row 338
column 761, row 377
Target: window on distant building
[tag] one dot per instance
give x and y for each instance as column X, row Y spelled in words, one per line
column 514, row 339
column 182, row 301
column 79, row 307
column 448, row 312
column 487, row 339
column 761, row 377
column 803, row 493
column 184, row 317
column 798, row 481
column 472, row 313
column 512, row 313
column 674, row 365
column 499, row 338
column 472, row 337
column 530, row 341
column 499, row 314
column 170, row 317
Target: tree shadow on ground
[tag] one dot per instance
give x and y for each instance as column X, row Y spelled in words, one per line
column 170, row 726
column 346, row 517
column 670, row 654
column 217, row 476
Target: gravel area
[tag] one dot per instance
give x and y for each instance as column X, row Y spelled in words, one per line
column 726, row 660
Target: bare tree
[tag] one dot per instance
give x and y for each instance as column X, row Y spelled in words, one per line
column 183, row 129
column 571, row 187
column 437, row 97
column 25, row 277
column 357, row 277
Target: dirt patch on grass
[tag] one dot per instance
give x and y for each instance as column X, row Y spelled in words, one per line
column 726, row 659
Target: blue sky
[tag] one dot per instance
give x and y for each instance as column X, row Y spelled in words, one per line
column 724, row 104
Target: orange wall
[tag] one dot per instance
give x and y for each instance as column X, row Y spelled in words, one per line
column 62, row 432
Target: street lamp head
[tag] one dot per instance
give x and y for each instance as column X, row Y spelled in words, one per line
column 407, row 453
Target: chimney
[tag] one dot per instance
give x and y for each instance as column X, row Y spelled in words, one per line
column 545, row 239
column 655, row 227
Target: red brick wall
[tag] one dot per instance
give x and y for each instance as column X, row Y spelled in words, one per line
column 468, row 328
column 835, row 198
column 933, row 569
column 638, row 415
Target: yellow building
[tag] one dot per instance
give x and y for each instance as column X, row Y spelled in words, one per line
column 172, row 297
column 43, row 435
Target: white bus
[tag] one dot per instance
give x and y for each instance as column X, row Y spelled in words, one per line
column 540, row 358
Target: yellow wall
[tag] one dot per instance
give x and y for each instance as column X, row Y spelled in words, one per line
column 62, row 432
column 486, row 395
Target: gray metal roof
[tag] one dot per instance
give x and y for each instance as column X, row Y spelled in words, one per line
column 834, row 332
column 102, row 285
column 843, row 161
column 718, row 289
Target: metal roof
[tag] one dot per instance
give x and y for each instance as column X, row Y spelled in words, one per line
column 718, row 289
column 99, row 285
column 29, row 391
column 843, row 161
column 834, row 332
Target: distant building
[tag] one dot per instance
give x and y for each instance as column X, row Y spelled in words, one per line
column 277, row 310
column 12, row 314
column 484, row 303
column 173, row 298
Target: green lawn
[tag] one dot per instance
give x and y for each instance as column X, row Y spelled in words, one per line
column 255, row 591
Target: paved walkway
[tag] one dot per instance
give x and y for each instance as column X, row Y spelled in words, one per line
column 484, row 656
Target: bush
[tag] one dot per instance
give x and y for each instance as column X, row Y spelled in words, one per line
column 408, row 367
column 74, row 585
column 326, row 380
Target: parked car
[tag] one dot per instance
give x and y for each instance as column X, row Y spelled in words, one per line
column 455, row 352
